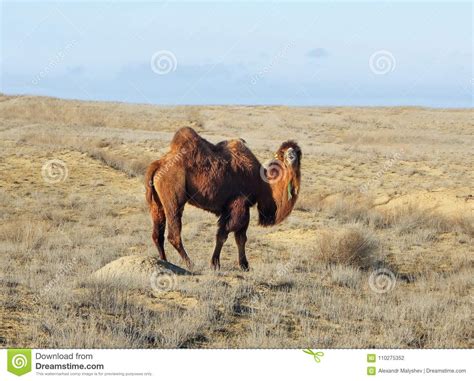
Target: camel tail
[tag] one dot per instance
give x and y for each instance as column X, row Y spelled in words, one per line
column 151, row 195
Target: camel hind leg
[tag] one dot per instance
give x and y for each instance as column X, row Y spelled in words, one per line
column 170, row 187
column 173, row 216
column 159, row 224
column 156, row 208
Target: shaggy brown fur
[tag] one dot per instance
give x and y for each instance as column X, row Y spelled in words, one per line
column 225, row 179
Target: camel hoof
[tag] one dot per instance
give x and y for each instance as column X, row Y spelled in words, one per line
column 215, row 264
column 189, row 265
column 244, row 266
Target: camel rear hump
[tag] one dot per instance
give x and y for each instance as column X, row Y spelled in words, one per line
column 185, row 139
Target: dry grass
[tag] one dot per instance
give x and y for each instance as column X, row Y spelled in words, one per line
column 350, row 246
column 309, row 283
column 133, row 167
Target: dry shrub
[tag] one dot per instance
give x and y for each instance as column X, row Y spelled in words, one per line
column 356, row 209
column 98, row 149
column 350, row 246
column 23, row 237
column 411, row 217
column 101, row 150
column 131, row 167
column 309, row 202
column 137, row 167
column 465, row 225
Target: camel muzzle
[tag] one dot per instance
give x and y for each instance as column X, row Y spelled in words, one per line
column 290, row 156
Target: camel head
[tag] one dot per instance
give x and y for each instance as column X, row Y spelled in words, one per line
column 289, row 154
column 283, row 176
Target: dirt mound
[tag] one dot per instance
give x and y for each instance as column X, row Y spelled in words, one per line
column 139, row 270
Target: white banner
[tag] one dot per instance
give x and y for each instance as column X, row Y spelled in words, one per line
column 229, row 364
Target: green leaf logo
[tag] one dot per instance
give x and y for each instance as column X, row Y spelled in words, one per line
column 19, row 361
column 316, row 355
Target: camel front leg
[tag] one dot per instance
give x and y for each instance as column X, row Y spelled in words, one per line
column 221, row 237
column 234, row 219
column 241, row 239
column 241, row 215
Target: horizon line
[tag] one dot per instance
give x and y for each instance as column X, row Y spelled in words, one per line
column 356, row 105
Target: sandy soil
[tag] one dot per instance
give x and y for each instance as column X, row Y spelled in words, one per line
column 377, row 253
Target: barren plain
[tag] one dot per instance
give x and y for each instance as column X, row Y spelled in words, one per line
column 378, row 252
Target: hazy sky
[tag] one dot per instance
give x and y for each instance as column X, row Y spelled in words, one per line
column 319, row 53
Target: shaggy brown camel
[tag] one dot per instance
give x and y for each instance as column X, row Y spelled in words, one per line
column 225, row 179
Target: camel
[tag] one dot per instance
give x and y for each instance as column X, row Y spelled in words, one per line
column 225, row 179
